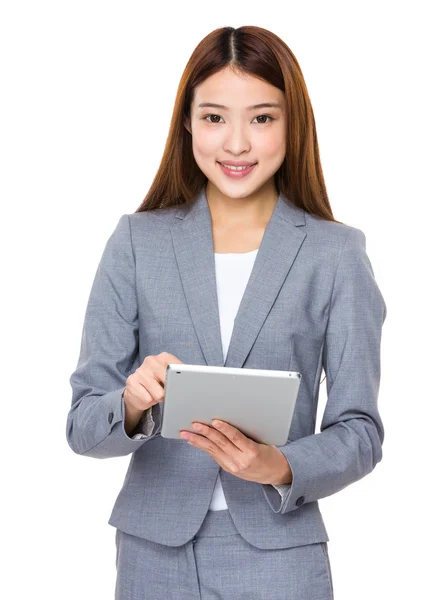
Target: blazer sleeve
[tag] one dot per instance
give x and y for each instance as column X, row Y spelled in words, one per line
column 145, row 426
column 349, row 444
column 108, row 355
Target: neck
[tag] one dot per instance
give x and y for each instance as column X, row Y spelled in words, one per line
column 253, row 209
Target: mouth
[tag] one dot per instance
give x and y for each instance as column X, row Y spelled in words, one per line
column 237, row 172
column 237, row 167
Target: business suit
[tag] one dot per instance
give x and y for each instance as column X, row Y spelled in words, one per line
column 311, row 302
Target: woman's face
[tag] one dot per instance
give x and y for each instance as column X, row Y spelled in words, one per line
column 236, row 132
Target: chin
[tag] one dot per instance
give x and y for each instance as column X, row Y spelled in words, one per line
column 238, row 189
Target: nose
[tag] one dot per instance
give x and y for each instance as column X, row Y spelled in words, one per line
column 237, row 140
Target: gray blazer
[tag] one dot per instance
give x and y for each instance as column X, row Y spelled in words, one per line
column 311, row 303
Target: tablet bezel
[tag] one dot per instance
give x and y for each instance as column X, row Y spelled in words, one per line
column 252, row 416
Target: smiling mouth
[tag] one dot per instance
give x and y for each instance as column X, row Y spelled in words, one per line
column 237, row 168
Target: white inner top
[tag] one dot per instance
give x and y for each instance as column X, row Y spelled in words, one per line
column 231, row 283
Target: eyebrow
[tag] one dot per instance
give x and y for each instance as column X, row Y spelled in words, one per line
column 254, row 107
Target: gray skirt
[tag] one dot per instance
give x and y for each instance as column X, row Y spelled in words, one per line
column 218, row 564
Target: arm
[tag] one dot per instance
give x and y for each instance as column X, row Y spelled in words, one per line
column 350, row 442
column 145, row 426
column 108, row 355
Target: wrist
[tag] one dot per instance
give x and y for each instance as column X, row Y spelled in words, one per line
column 132, row 416
column 283, row 473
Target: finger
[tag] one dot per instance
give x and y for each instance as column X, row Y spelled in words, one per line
column 168, row 358
column 142, row 399
column 237, row 438
column 152, row 385
column 163, row 360
column 203, row 443
column 155, row 368
column 217, row 438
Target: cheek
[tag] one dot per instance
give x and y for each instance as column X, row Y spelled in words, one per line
column 273, row 145
column 204, row 144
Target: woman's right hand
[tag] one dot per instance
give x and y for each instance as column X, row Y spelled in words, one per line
column 146, row 387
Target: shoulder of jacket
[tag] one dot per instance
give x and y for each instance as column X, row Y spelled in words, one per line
column 332, row 233
column 151, row 218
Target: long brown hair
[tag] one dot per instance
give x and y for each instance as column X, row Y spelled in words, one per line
column 260, row 53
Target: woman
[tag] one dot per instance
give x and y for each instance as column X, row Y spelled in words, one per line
column 233, row 259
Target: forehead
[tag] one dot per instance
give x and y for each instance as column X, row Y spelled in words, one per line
column 236, row 91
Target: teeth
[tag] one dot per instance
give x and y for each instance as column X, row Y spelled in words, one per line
column 236, row 168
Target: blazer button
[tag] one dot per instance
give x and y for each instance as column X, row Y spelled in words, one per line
column 300, row 501
column 110, row 417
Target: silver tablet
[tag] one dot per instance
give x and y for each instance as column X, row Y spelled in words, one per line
column 258, row 402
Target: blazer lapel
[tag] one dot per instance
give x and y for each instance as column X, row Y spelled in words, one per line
column 193, row 246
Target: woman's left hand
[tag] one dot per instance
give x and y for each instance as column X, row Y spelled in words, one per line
column 239, row 455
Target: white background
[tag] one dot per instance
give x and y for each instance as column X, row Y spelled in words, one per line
column 87, row 95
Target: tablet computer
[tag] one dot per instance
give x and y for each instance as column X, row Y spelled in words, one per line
column 258, row 402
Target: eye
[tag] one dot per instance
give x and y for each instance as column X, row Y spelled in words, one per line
column 266, row 116
column 258, row 117
column 207, row 116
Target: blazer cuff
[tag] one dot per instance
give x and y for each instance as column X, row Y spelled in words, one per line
column 278, row 499
column 283, row 489
column 273, row 499
column 108, row 428
column 145, row 426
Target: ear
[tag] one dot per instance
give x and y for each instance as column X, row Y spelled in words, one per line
column 187, row 125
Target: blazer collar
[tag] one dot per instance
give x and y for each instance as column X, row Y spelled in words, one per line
column 193, row 246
